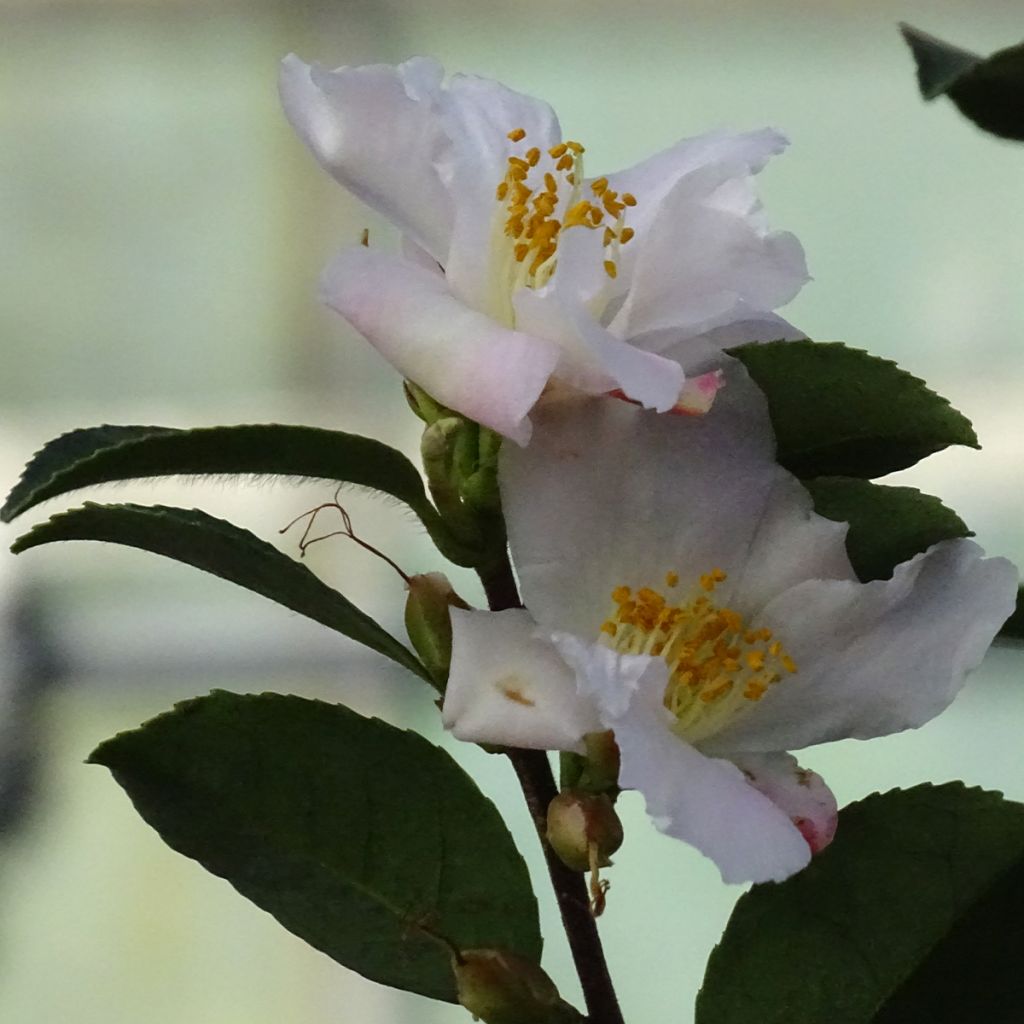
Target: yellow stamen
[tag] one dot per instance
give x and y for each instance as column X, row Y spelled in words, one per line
column 717, row 664
column 610, row 269
column 517, row 134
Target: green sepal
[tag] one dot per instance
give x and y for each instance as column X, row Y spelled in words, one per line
column 225, row 550
column 838, row 411
column 364, row 840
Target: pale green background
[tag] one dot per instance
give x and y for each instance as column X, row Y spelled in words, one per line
column 160, row 236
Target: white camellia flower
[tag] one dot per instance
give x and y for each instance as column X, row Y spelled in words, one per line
column 518, row 273
column 681, row 591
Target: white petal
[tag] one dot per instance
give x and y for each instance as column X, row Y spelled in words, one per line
column 742, row 823
column 651, row 180
column 461, row 357
column 377, row 130
column 688, row 350
column 700, row 266
column 509, row 685
column 609, row 495
column 801, row 794
column 704, row 801
column 880, row 657
column 607, row 678
column 593, row 360
column 478, row 115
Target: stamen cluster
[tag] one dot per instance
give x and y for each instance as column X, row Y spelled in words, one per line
column 530, row 195
column 715, row 662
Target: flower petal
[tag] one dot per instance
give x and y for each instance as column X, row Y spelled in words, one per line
column 608, row 495
column 701, row 265
column 651, row 180
column 879, row 657
column 593, row 360
column 478, row 114
column 461, row 357
column 800, row 793
column 509, row 685
column 339, row 115
column 706, row 802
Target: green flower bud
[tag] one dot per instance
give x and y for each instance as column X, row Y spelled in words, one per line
column 426, row 407
column 596, row 770
column 428, row 621
column 500, row 987
column 583, row 829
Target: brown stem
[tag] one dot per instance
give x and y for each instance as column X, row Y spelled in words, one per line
column 538, row 784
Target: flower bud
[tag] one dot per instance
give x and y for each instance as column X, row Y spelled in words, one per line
column 426, row 407
column 500, row 987
column 428, row 621
column 597, row 769
column 583, row 829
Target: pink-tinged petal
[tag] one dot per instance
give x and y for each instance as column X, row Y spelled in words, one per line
column 593, row 360
column 709, row 803
column 698, row 394
column 377, row 130
column 478, row 114
column 463, row 358
column 704, row 801
column 876, row 658
column 801, row 794
column 509, row 685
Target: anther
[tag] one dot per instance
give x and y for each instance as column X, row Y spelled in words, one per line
column 517, row 134
column 610, row 269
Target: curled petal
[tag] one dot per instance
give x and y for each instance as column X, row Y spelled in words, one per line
column 705, row 801
column 509, row 685
column 801, row 794
column 701, row 266
column 877, row 658
column 463, row 358
column 339, row 115
column 592, row 359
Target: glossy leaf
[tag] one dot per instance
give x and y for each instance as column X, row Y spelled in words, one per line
column 98, row 455
column 838, row 411
column 987, row 90
column 888, row 525
column 227, row 551
column 913, row 914
column 364, row 840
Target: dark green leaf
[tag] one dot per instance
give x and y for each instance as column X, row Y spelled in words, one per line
column 1014, row 627
column 939, row 64
column 915, row 913
column 98, row 455
column 227, row 551
column 987, row 90
column 364, row 840
column 888, row 525
column 838, row 411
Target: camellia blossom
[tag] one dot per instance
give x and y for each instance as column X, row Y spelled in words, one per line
column 680, row 590
column 520, row 274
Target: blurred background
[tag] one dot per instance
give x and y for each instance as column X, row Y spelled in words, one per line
column 161, row 233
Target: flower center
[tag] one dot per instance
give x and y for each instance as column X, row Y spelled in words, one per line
column 718, row 666
column 536, row 187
